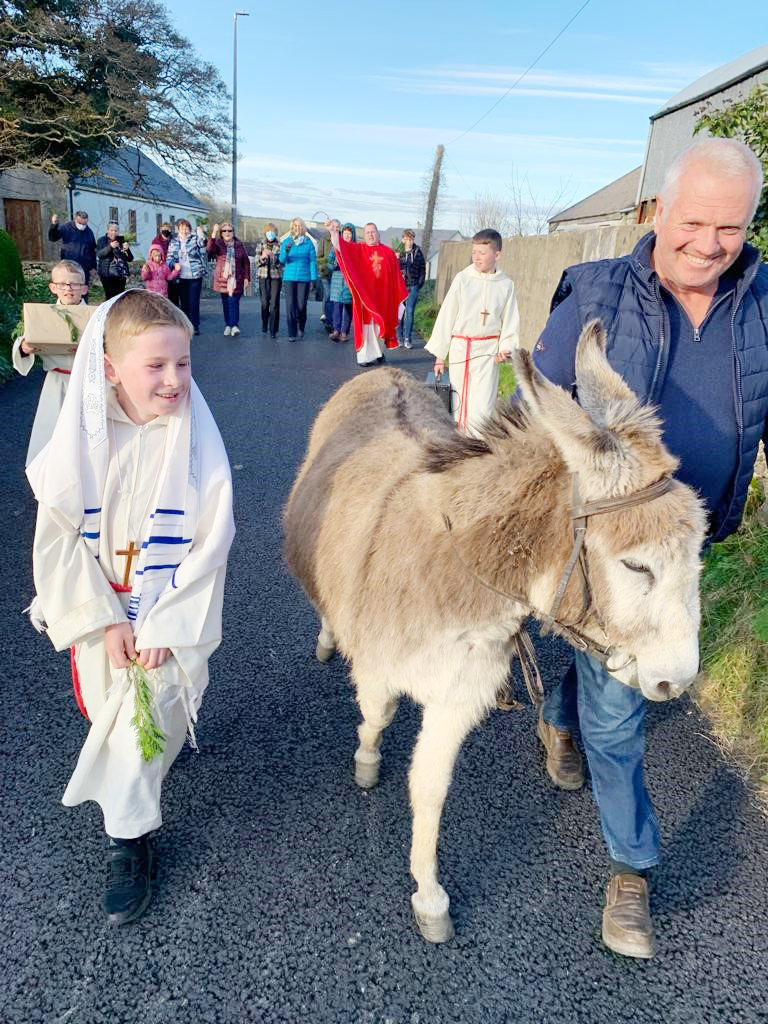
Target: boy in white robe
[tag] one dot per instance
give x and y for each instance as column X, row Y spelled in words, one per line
column 133, row 531
column 69, row 286
column 476, row 329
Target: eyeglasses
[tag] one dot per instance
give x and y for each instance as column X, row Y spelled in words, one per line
column 227, row 231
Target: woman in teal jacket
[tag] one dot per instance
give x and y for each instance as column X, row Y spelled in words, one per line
column 297, row 255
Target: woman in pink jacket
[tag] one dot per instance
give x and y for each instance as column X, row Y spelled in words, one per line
column 156, row 273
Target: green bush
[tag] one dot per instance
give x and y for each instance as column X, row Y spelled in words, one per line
column 11, row 274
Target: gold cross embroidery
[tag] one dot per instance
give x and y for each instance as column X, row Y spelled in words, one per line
column 131, row 552
column 376, row 262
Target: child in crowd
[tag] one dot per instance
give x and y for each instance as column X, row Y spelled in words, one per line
column 156, row 273
column 133, row 529
column 68, row 285
column 476, row 329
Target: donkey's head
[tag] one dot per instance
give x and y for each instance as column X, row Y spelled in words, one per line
column 643, row 560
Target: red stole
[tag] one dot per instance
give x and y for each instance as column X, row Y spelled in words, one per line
column 372, row 273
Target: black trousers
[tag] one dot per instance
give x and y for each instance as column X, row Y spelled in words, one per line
column 269, row 289
column 113, row 286
column 296, row 296
column 189, row 298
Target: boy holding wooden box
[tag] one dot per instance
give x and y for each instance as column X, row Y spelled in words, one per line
column 69, row 286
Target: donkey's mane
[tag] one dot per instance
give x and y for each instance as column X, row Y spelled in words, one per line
column 508, row 420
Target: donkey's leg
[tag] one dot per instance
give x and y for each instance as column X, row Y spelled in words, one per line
column 442, row 733
column 378, row 710
column 326, row 642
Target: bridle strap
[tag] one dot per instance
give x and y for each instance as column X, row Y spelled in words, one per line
column 548, row 621
column 580, row 513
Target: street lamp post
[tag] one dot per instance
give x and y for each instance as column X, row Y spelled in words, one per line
column 238, row 14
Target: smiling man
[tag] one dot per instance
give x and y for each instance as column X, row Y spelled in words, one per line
column 686, row 316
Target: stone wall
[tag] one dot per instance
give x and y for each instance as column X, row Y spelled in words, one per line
column 536, row 262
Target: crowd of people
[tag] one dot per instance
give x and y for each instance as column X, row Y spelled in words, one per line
column 179, row 258
column 686, row 316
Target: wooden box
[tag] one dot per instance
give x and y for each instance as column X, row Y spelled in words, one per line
column 55, row 329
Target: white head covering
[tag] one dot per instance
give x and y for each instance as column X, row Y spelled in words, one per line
column 70, row 472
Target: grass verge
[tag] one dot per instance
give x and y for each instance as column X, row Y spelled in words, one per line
column 733, row 688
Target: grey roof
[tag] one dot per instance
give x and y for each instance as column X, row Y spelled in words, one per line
column 716, row 81
column 131, row 173
column 617, row 197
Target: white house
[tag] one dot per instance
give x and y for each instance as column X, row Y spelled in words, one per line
column 128, row 188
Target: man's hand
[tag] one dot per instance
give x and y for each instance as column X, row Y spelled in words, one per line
column 118, row 643
column 333, row 231
column 153, row 657
column 439, row 367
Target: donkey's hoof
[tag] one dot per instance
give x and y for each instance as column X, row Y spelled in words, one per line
column 323, row 653
column 367, row 770
column 434, row 922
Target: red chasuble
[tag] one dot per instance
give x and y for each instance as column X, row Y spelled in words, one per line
column 373, row 275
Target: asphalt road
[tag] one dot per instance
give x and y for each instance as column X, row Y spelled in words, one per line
column 284, row 890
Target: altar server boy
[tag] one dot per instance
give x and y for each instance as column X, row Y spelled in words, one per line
column 133, row 530
column 68, row 285
column 476, row 329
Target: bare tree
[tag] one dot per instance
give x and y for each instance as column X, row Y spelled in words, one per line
column 433, row 194
column 521, row 212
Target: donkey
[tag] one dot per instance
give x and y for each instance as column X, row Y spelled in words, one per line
column 423, row 551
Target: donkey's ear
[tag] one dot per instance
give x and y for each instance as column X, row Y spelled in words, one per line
column 597, row 454
column 603, row 393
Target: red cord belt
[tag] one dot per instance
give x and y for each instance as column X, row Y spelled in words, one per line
column 57, row 370
column 469, row 338
column 72, row 663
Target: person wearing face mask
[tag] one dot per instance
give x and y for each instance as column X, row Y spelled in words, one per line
column 270, row 271
column 78, row 242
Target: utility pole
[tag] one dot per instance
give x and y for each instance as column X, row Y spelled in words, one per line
column 238, row 14
column 432, row 195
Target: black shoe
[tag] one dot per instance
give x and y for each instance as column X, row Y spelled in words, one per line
column 263, row 330
column 381, row 359
column 197, row 330
column 301, row 334
column 129, row 886
column 272, row 335
column 291, row 339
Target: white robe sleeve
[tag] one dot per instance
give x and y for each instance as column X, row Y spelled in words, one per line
column 510, row 324
column 21, row 362
column 74, row 596
column 440, row 341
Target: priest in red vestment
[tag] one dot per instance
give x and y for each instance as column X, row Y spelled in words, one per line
column 372, row 273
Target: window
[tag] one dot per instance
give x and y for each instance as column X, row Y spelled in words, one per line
column 158, row 220
column 172, row 221
column 132, row 223
column 113, row 214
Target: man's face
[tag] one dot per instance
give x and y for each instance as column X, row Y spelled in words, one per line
column 80, row 219
column 67, row 287
column 371, row 234
column 483, row 257
column 153, row 375
column 700, row 233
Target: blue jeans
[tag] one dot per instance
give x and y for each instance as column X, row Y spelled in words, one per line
column 405, row 327
column 342, row 316
column 611, row 719
column 230, row 305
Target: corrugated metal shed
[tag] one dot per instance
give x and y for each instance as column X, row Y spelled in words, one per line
column 672, row 125
column 608, row 205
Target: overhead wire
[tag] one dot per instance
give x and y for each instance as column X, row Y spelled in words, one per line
column 517, row 81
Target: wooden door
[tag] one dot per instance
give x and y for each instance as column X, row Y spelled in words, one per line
column 22, row 222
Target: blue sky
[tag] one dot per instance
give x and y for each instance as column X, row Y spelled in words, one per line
column 341, row 104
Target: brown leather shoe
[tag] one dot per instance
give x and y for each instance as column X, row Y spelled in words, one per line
column 627, row 925
column 564, row 764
